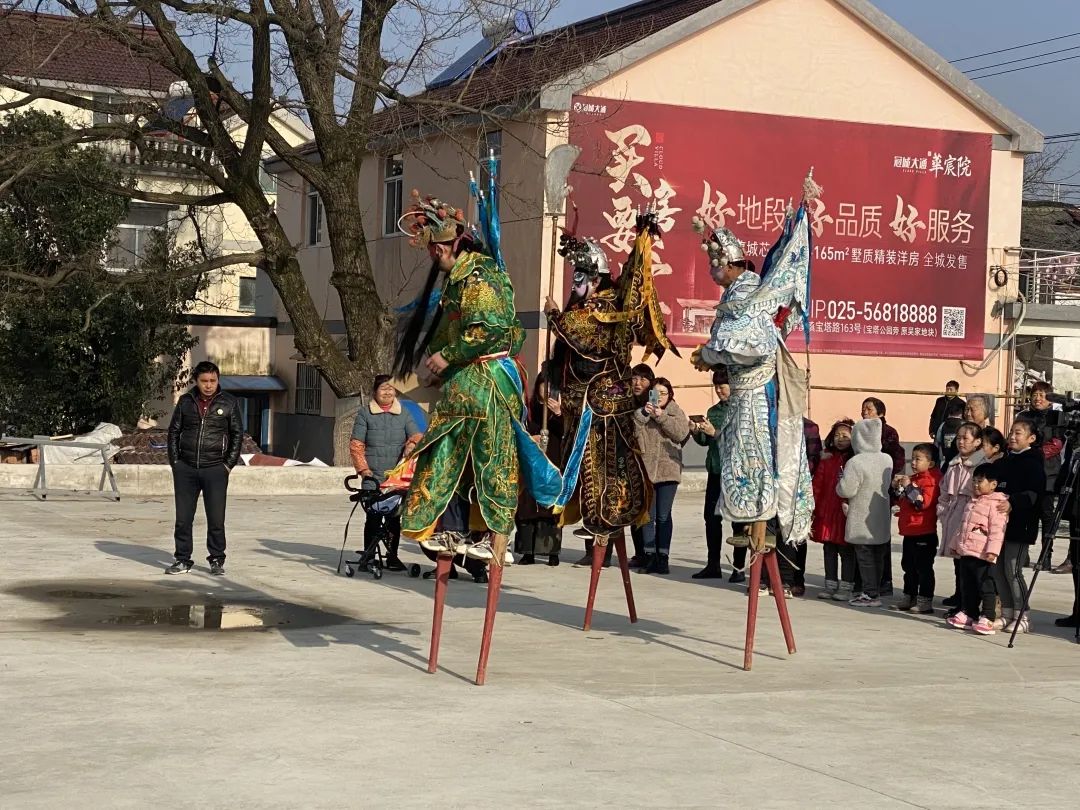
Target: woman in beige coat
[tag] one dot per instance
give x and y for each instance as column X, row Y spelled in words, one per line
column 662, row 430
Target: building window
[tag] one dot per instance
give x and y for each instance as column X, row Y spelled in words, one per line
column 132, row 238
column 247, row 293
column 393, row 182
column 308, row 390
column 267, row 181
column 492, row 143
column 104, row 117
column 315, row 218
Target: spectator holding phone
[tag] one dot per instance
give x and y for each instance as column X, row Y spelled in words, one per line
column 662, row 430
column 706, row 432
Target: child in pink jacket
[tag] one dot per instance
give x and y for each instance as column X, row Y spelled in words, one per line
column 978, row 546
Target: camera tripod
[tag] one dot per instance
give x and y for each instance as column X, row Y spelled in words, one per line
column 1064, row 502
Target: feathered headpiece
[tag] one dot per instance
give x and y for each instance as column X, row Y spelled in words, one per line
column 430, row 221
column 721, row 244
column 584, row 254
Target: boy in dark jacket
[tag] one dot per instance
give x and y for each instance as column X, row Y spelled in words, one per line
column 918, row 495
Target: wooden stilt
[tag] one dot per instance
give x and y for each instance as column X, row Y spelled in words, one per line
column 777, row 585
column 624, row 567
column 495, row 573
column 598, row 552
column 751, row 612
column 442, row 575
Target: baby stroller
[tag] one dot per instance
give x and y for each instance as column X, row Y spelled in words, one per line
column 374, row 501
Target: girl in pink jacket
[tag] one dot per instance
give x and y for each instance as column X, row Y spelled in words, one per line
column 978, row 546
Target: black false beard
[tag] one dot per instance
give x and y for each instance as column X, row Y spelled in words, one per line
column 416, row 327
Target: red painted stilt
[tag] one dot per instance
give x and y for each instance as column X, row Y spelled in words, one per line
column 495, row 573
column 624, row 567
column 598, row 552
column 751, row 610
column 773, row 565
column 442, row 576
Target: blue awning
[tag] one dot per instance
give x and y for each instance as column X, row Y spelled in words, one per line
column 251, row 383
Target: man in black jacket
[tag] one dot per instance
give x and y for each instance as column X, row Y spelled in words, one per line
column 941, row 406
column 204, row 445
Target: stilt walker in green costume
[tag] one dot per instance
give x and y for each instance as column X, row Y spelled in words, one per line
column 476, row 451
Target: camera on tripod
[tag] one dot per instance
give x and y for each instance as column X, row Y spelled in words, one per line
column 1068, row 418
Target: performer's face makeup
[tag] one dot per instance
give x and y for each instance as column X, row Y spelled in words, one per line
column 584, row 285
column 442, row 256
column 725, row 276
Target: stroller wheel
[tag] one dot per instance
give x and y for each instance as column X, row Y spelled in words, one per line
column 350, row 571
column 414, row 571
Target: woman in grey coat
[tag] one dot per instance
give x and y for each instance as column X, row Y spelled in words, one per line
column 865, row 484
column 382, row 434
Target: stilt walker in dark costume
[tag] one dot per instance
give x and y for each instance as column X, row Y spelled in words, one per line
column 604, row 480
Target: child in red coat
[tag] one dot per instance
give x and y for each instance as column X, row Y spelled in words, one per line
column 829, row 518
column 918, row 495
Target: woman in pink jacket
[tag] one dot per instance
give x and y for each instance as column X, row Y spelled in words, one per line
column 980, row 542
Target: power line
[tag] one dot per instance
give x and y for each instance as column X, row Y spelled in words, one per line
column 1016, row 47
column 1023, row 59
column 1025, row 67
column 1062, row 135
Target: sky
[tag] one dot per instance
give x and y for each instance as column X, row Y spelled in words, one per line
column 1046, row 97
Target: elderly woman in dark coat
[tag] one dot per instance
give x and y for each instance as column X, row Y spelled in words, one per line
column 538, row 531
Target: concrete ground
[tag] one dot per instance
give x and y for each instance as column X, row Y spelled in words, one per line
column 106, row 702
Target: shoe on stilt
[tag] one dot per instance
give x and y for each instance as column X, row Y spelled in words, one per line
column 444, row 543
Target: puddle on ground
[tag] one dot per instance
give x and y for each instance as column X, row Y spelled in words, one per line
column 110, row 605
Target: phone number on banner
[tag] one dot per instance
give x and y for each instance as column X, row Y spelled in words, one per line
column 875, row 312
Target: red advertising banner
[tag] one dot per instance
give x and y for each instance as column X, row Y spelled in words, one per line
column 900, row 234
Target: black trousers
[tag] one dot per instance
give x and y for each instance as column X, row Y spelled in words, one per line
column 714, row 523
column 918, row 564
column 977, row 591
column 738, row 553
column 213, row 484
column 390, row 525
column 1047, row 508
column 871, row 561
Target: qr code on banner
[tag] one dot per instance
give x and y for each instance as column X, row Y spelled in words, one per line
column 953, row 322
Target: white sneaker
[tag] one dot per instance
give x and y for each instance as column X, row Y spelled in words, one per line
column 443, row 543
column 480, row 550
column 508, row 557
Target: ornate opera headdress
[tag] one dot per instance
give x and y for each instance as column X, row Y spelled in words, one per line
column 721, row 244
column 585, row 255
column 430, row 221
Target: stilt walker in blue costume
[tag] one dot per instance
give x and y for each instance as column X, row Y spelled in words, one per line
column 765, row 475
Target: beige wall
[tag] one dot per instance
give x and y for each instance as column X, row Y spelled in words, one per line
column 812, row 58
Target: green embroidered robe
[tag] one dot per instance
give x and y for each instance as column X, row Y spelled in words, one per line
column 470, row 438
